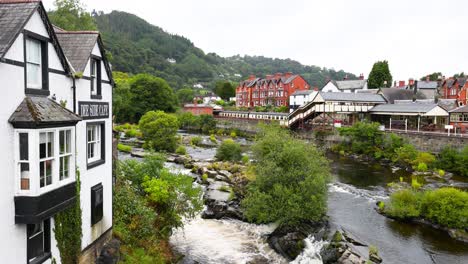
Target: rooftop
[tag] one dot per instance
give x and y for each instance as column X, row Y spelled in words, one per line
column 77, row 46
column 420, row 108
column 350, row 84
column 353, row 97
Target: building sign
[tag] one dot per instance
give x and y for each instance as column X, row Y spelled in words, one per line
column 93, row 110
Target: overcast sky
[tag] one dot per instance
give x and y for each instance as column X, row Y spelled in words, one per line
column 416, row 37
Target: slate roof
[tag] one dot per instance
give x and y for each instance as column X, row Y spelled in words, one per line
column 427, row 85
column 462, row 109
column 77, row 46
column 392, row 94
column 38, row 112
column 13, row 17
column 448, row 104
column 353, row 97
column 350, row 84
column 461, row 81
column 404, row 108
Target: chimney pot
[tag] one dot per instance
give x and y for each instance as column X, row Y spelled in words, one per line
column 361, row 76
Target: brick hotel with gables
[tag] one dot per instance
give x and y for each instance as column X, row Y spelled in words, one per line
column 272, row 90
column 53, row 125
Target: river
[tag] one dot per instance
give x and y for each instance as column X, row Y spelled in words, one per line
column 354, row 190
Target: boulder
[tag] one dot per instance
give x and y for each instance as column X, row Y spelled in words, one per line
column 289, row 241
column 225, row 173
column 222, row 178
column 217, row 185
column 181, row 159
column 110, row 253
column 211, row 173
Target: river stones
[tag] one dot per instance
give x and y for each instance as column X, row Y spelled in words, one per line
column 225, row 173
column 211, row 173
column 220, row 186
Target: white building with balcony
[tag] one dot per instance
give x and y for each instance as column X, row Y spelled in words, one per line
column 52, row 126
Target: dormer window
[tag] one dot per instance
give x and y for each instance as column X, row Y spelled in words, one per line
column 36, row 60
column 95, row 78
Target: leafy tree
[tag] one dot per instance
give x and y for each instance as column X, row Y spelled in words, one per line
column 229, row 151
column 364, row 137
column 185, row 95
column 159, row 130
column 225, row 89
column 432, row 77
column 71, row 15
column 290, row 185
column 122, row 98
column 151, row 93
column 379, row 75
column 459, row 75
column 207, row 123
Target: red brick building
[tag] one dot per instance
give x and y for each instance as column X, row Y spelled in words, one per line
column 271, row 90
column 199, row 109
column 455, row 89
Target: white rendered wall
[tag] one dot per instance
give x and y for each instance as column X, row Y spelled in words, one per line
column 330, row 87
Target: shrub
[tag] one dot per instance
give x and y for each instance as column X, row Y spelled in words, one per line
column 213, row 138
column 245, row 159
column 441, row 173
column 131, row 133
column 422, row 167
column 196, row 141
column 404, row 204
column 405, row 154
column 454, row 161
column 181, row 150
column 159, row 130
column 229, row 151
column 424, row 157
column 364, row 136
column 204, row 177
column 233, row 134
column 447, row 207
column 381, row 205
column 337, row 237
column 373, row 250
column 415, row 184
column 290, row 181
column 124, row 148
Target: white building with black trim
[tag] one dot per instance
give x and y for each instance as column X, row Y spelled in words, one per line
column 55, row 120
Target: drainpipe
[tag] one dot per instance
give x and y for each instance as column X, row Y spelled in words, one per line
column 74, row 94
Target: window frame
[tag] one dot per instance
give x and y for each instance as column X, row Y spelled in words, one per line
column 67, row 153
column 46, row 243
column 49, row 157
column 95, row 74
column 97, row 210
column 91, row 163
column 44, row 41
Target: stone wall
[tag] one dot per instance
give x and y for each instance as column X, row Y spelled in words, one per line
column 92, row 252
column 244, row 125
column 434, row 143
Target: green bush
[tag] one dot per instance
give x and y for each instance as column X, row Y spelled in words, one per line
column 447, row 207
column 441, row 173
column 290, row 181
column 424, row 157
column 404, row 204
column 405, row 154
column 365, row 137
column 381, row 205
column 131, row 133
column 422, row 167
column 204, row 177
column 181, row 150
column 454, row 161
column 373, row 250
column 124, row 148
column 213, row 138
column 245, row 159
column 233, row 134
column 229, row 151
column 159, row 131
column 415, row 184
column 196, row 141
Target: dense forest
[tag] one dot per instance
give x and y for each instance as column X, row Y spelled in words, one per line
column 138, row 47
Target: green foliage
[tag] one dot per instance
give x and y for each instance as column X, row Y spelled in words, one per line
column 441, row 173
column 432, row 77
column 454, row 161
column 159, row 130
column 224, row 189
column 337, row 237
column 68, row 230
column 225, row 89
column 122, row 98
column 207, row 123
column 213, row 138
column 124, row 148
column 373, row 250
column 71, row 15
column 414, row 182
column 422, row 167
column 181, row 150
column 365, row 137
column 381, row 205
column 196, row 141
column 290, row 182
column 379, row 75
column 406, row 154
column 229, row 150
column 424, row 157
column 131, row 133
column 204, row 177
column 233, row 134
column 151, row 93
column 185, row 95
column 404, row 204
column 447, row 207
column 245, row 159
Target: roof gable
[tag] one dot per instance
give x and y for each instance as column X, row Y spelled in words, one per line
column 14, row 15
column 350, row 84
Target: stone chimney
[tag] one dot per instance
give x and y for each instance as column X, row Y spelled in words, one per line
column 361, row 76
column 252, row 77
column 288, row 74
column 411, row 82
column 401, row 84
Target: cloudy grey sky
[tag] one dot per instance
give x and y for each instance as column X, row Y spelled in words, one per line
column 416, row 36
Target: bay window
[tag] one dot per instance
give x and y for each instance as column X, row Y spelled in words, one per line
column 45, row 159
